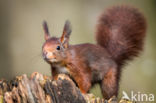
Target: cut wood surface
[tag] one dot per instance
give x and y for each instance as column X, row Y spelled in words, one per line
column 39, row 88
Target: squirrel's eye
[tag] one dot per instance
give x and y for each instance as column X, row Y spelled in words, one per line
column 58, row 48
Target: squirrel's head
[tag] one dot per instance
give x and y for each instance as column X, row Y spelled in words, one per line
column 53, row 49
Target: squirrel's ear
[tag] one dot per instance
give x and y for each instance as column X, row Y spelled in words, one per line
column 46, row 31
column 66, row 32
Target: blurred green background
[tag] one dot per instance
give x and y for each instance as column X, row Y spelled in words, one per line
column 21, row 37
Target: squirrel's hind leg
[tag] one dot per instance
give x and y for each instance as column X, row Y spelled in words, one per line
column 109, row 84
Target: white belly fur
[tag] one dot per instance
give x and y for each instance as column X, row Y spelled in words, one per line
column 61, row 69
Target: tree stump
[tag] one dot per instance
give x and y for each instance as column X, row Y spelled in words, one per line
column 39, row 88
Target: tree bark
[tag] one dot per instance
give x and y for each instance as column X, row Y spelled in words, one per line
column 39, row 88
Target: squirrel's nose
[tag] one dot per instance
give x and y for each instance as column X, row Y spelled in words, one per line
column 47, row 55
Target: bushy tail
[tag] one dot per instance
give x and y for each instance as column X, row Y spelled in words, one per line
column 121, row 30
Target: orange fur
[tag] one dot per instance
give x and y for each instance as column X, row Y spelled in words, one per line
column 120, row 35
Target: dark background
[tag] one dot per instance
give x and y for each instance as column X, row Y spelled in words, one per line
column 21, row 37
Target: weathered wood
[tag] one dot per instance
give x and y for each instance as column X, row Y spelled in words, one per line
column 39, row 88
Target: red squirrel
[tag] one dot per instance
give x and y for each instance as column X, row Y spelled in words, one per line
column 120, row 34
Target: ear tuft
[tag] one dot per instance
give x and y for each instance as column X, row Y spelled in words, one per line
column 66, row 31
column 67, row 27
column 46, row 31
